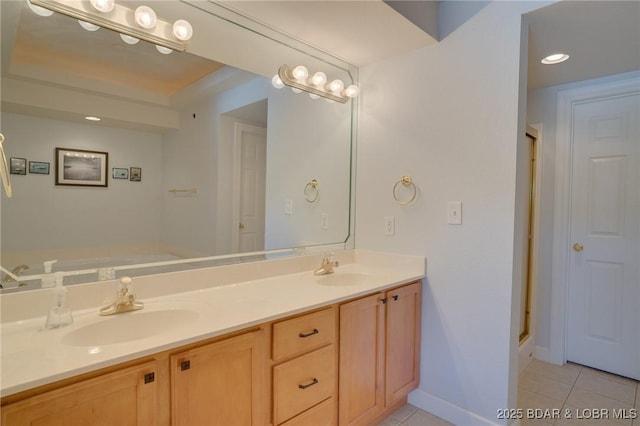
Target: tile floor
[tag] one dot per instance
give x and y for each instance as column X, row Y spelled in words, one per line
column 566, row 395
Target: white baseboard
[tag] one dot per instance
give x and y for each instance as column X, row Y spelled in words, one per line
column 542, row 353
column 449, row 412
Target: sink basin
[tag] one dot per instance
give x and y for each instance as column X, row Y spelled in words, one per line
column 343, row 279
column 129, row 326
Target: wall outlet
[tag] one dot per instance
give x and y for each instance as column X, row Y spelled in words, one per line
column 454, row 212
column 324, row 221
column 288, row 206
column 389, row 225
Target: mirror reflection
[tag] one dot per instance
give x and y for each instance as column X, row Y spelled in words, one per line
column 202, row 159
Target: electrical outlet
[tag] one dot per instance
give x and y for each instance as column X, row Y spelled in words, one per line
column 389, row 225
column 288, row 206
column 324, row 221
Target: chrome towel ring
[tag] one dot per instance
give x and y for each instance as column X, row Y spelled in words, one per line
column 406, row 181
column 311, row 192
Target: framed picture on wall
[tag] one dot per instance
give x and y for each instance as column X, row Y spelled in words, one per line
column 18, row 166
column 136, row 174
column 38, row 168
column 79, row 167
column 118, row 173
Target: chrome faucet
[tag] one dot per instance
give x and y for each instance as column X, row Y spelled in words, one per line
column 327, row 265
column 14, row 271
column 125, row 299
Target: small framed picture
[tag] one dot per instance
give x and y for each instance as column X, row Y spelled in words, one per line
column 38, row 168
column 117, row 173
column 135, row 174
column 18, row 166
column 78, row 167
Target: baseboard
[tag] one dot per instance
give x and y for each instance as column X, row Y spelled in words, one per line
column 445, row 410
column 542, row 354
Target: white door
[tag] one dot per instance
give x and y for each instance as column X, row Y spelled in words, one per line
column 251, row 151
column 603, row 319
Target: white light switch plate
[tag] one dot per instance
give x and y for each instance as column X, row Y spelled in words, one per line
column 389, row 225
column 288, row 206
column 324, row 221
column 454, row 212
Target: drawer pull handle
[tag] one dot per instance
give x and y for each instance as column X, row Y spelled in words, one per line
column 313, row 382
column 305, row 335
column 185, row 365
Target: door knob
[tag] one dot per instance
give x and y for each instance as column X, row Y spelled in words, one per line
column 241, row 226
column 578, row 247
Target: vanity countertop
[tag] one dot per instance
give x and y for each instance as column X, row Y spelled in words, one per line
column 33, row 356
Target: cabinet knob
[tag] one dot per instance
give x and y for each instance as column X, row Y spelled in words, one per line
column 185, row 365
column 383, row 300
column 149, row 378
column 395, row 297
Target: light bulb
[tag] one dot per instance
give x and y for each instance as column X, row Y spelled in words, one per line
column 129, row 39
column 300, row 73
column 182, row 30
column 352, row 91
column 277, row 82
column 38, row 10
column 294, row 90
column 145, row 17
column 319, row 79
column 314, row 96
column 163, row 50
column 335, row 86
column 103, row 6
column 88, row 26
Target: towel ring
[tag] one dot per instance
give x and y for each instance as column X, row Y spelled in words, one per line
column 311, row 192
column 405, row 181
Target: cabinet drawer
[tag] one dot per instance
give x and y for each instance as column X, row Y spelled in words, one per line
column 323, row 414
column 303, row 382
column 304, row 333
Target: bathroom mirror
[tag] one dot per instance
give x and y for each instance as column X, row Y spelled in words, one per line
column 205, row 157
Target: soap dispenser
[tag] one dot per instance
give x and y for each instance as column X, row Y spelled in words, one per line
column 48, row 279
column 59, row 312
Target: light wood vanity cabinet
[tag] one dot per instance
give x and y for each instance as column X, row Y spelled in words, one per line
column 220, row 384
column 346, row 364
column 128, row 397
column 304, row 371
column 379, row 353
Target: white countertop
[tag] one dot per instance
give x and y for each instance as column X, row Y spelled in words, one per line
column 33, row 356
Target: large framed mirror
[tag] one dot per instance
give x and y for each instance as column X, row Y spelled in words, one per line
column 206, row 159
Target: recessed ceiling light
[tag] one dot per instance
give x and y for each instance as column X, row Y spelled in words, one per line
column 92, row 118
column 556, row 58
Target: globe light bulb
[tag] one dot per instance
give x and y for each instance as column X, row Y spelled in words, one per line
column 319, row 79
column 335, row 86
column 352, row 91
column 104, row 6
column 38, row 10
column 88, row 26
column 182, row 30
column 277, row 82
column 129, row 39
column 314, row 96
column 163, row 50
column 300, row 73
column 145, row 17
column 294, row 90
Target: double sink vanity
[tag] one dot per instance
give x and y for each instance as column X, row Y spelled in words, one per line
column 266, row 342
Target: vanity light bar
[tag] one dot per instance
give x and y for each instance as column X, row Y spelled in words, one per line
column 287, row 77
column 117, row 20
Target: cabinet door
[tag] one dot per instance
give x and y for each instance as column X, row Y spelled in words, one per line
column 361, row 396
column 220, row 384
column 128, row 397
column 403, row 341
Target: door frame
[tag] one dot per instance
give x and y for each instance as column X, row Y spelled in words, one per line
column 567, row 99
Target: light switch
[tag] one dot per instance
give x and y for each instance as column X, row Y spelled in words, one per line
column 389, row 225
column 324, row 221
column 288, row 206
column 454, row 212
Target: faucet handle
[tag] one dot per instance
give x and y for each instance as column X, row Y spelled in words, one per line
column 124, row 285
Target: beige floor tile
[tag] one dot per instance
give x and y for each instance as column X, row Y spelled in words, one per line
column 544, row 386
column 609, row 376
column 585, row 400
column 421, row 418
column 571, row 415
column 390, row 422
column 567, row 373
column 607, row 385
column 638, row 398
column 403, row 413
